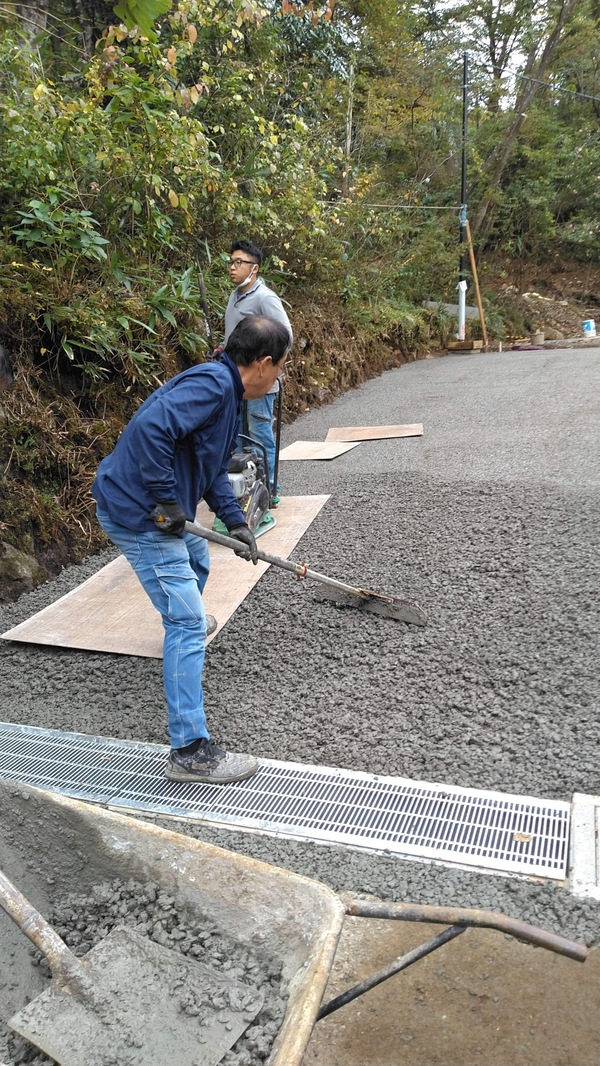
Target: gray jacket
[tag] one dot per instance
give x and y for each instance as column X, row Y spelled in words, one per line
column 259, row 300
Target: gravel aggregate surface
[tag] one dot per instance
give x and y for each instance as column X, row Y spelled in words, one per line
column 490, row 521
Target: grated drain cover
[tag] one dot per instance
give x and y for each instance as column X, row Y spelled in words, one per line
column 514, row 834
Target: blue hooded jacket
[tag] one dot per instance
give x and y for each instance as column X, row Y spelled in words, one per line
column 176, row 447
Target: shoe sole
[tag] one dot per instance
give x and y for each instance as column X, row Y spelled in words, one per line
column 209, row 779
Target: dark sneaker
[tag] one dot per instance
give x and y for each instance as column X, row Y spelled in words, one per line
column 211, row 624
column 210, row 765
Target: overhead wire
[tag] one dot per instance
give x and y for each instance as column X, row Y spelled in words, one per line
column 538, row 81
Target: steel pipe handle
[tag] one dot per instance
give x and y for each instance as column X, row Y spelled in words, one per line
column 298, row 569
column 411, row 912
column 378, row 602
column 64, row 965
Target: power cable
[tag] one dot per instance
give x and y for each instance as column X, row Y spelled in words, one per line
column 538, row 81
column 558, row 89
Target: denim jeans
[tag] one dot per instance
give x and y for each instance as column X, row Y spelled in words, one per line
column 260, row 428
column 173, row 571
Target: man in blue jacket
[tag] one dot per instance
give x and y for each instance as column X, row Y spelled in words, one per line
column 173, row 453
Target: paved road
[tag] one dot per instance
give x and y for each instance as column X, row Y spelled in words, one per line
column 509, row 416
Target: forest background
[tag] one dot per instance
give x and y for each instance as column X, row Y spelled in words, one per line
column 139, row 138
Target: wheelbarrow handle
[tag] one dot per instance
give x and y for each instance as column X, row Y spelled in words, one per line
column 411, row 912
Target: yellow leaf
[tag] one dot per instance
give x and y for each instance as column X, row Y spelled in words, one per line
column 522, row 838
column 192, row 33
column 172, row 56
column 274, row 139
column 173, row 198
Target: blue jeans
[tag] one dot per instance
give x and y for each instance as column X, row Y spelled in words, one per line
column 260, row 428
column 173, row 571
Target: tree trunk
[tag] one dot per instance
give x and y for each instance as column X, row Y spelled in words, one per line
column 33, row 17
column 348, row 143
column 87, row 28
column 525, row 96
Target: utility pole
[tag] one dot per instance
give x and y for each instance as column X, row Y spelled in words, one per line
column 463, row 177
column 462, row 284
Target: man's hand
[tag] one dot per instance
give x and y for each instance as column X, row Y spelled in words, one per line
column 245, row 535
column 169, row 517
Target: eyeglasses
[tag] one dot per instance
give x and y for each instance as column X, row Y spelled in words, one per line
column 238, row 262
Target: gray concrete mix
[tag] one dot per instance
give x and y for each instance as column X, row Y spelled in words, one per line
column 491, row 521
column 235, row 984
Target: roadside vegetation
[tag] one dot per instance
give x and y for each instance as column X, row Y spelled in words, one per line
column 139, row 139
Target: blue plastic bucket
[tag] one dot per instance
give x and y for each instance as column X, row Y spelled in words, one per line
column 589, row 328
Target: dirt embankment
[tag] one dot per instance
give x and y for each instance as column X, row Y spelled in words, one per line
column 553, row 301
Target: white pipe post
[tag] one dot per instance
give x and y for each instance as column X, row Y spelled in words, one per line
column 462, row 314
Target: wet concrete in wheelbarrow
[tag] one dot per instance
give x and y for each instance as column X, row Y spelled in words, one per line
column 237, row 989
column 491, row 522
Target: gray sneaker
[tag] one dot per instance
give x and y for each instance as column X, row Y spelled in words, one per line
column 210, row 765
column 211, row 624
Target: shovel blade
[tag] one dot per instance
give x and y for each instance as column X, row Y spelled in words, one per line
column 375, row 603
column 148, row 1006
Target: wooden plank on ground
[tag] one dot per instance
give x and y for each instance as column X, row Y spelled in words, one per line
column 110, row 612
column 315, row 449
column 358, row 433
column 464, row 346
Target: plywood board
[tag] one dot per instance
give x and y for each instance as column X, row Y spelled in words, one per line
column 315, row 449
column 110, row 611
column 464, row 346
column 358, row 433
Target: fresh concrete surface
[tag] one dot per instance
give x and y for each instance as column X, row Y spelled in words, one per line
column 491, row 520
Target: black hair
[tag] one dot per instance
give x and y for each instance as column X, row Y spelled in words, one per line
column 249, row 248
column 256, row 336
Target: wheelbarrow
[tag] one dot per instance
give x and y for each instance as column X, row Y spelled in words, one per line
column 54, row 846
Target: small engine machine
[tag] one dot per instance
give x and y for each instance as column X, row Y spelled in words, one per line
column 247, row 473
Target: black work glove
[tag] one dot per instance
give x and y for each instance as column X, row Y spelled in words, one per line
column 246, row 536
column 169, row 517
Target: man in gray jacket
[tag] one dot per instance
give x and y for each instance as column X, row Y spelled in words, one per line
column 252, row 297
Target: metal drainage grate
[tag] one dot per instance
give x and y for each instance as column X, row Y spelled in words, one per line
column 515, row 834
